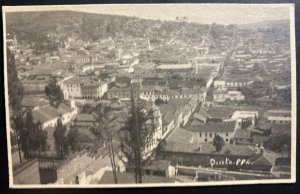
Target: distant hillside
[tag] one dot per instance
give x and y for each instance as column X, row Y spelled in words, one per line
column 46, row 30
column 283, row 24
column 36, row 25
column 54, row 26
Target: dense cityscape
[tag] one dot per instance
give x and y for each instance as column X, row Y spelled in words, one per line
column 106, row 99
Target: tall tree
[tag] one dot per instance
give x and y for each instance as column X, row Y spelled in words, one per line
column 54, row 93
column 111, row 152
column 61, row 140
column 73, row 139
column 15, row 95
column 18, row 125
column 29, row 135
column 105, row 123
column 218, row 142
column 40, row 140
column 32, row 138
column 136, row 136
column 15, row 88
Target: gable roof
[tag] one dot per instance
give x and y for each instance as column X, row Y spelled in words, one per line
column 48, row 112
column 260, row 160
column 213, row 127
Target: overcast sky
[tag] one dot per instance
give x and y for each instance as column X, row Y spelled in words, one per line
column 201, row 13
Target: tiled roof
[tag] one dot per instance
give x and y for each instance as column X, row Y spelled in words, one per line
column 260, row 160
column 180, row 135
column 173, row 105
column 279, row 113
column 47, row 113
column 34, row 101
column 207, row 148
column 241, row 134
column 78, row 80
column 213, row 127
column 221, row 112
column 85, row 117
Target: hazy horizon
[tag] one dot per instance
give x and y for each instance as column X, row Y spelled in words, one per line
column 198, row 13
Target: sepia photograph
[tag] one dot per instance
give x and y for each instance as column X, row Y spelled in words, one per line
column 150, row 95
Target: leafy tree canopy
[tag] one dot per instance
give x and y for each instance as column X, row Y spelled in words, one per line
column 74, row 139
column 61, row 139
column 218, row 142
column 15, row 88
column 54, row 93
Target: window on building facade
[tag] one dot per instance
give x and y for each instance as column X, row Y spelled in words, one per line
column 200, row 134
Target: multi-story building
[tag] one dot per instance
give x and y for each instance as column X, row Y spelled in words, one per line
column 278, row 116
column 208, row 131
column 83, row 87
column 93, row 89
column 222, row 96
column 242, row 116
column 124, row 91
column 232, row 84
column 72, row 87
column 118, row 93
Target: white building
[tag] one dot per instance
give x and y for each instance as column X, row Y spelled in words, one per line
column 48, row 115
column 210, row 130
column 242, row 115
column 222, row 96
column 232, row 84
column 83, row 87
column 278, row 116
